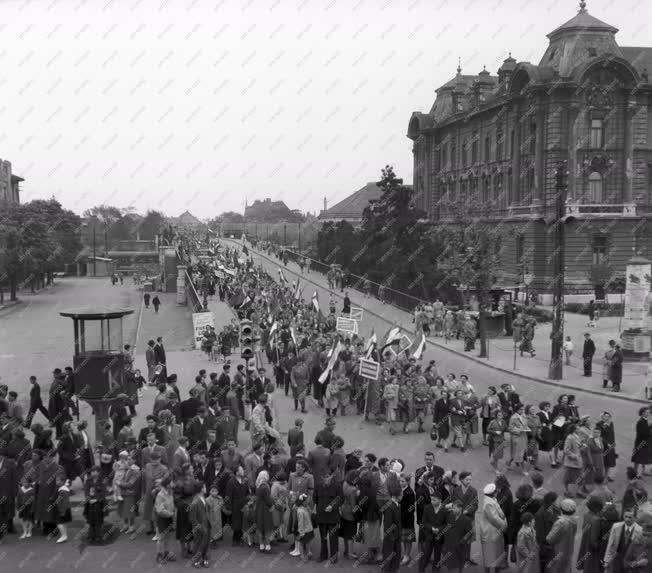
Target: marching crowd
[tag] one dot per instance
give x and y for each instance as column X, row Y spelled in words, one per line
column 186, row 474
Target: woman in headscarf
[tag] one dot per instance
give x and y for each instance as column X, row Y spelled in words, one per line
column 588, row 557
column 562, row 539
column 492, row 526
column 441, row 420
column 264, row 519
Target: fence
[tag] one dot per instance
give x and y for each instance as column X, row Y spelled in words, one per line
column 301, row 236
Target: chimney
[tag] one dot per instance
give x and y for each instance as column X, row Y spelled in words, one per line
column 325, row 204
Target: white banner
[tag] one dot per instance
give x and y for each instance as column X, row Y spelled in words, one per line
column 356, row 313
column 347, row 325
column 200, row 320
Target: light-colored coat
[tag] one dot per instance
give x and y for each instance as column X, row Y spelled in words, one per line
column 527, row 551
column 614, row 539
column 562, row 538
column 573, row 452
column 492, row 526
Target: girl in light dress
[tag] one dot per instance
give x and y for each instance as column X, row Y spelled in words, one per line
column 120, row 468
column 25, row 500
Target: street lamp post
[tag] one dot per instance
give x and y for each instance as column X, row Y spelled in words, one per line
column 555, row 369
column 285, row 234
column 299, row 237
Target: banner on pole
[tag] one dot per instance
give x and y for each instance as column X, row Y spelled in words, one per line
column 356, row 313
column 347, row 325
column 369, row 369
column 200, row 320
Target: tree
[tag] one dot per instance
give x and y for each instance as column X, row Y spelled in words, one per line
column 470, row 253
column 231, row 217
column 151, row 225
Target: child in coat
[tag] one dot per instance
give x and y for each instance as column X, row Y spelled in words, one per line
column 249, row 521
column 63, row 515
column 305, row 529
column 94, row 506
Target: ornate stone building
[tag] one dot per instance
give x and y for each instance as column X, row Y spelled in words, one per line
column 496, row 141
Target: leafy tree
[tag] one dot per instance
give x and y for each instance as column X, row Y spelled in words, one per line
column 470, row 254
column 231, row 217
column 151, row 225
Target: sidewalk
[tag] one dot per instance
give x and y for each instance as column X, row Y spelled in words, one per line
column 501, row 350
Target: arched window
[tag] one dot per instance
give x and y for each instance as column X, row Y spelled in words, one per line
column 595, row 188
column 444, row 158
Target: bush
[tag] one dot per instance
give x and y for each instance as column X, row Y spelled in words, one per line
column 541, row 314
column 615, row 309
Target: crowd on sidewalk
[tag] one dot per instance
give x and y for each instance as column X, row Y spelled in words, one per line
column 187, row 475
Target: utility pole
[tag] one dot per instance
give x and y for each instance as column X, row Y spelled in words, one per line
column 557, row 335
column 285, row 234
column 299, row 237
column 94, row 253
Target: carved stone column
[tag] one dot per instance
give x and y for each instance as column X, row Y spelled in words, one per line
column 631, row 108
column 539, row 176
column 573, row 115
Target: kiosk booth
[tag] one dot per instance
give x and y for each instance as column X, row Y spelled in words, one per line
column 98, row 360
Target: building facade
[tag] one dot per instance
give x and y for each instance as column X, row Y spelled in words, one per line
column 9, row 183
column 497, row 143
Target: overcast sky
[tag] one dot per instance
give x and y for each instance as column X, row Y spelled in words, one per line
column 186, row 104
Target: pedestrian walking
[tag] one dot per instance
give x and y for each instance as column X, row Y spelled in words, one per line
column 35, row 402
column 156, row 302
column 146, row 298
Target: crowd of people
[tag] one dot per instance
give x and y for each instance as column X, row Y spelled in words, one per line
column 188, row 475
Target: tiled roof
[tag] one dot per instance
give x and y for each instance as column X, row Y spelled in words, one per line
column 583, row 21
column 640, row 58
column 354, row 204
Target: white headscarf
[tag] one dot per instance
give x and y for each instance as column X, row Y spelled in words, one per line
column 263, row 477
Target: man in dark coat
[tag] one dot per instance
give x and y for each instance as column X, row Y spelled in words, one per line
column 159, row 351
column 235, row 499
column 544, row 519
column 198, row 427
column 227, row 425
column 35, row 402
column 457, row 539
column 8, row 492
column 392, row 534
column 152, row 426
column 58, row 408
column 188, row 408
column 328, row 498
column 319, row 460
column 224, row 383
column 198, row 515
column 587, row 354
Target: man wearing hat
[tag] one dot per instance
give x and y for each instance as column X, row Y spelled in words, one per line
column 492, row 526
column 35, row 402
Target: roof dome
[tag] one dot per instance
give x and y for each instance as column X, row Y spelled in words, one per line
column 580, row 39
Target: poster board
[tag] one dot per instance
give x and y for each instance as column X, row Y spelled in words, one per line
column 347, row 325
column 369, row 369
column 404, row 343
column 356, row 313
column 200, row 320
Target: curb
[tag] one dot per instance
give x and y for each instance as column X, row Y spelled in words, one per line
column 11, row 305
column 475, row 359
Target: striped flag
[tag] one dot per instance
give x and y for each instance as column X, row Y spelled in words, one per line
column 371, row 344
column 315, row 301
column 421, row 346
column 294, row 338
column 281, row 276
column 273, row 329
column 393, row 334
column 334, row 353
column 298, row 291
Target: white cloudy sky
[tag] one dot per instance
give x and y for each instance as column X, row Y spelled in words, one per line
column 176, row 104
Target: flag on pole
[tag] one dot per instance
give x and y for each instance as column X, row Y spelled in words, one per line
column 298, row 290
column 392, row 335
column 281, row 276
column 334, row 353
column 371, row 344
column 294, row 338
column 315, row 301
column 246, row 301
column 421, row 346
column 273, row 329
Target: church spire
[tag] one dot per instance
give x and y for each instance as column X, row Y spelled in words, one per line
column 459, row 66
column 582, row 7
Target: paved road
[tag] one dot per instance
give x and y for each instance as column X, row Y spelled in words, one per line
column 38, row 553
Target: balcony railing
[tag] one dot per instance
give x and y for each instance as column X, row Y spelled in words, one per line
column 575, row 209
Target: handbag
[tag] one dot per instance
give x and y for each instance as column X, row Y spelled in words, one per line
column 433, row 433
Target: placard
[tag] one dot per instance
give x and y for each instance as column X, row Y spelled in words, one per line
column 369, row 369
column 404, row 343
column 347, row 325
column 200, row 320
column 356, row 313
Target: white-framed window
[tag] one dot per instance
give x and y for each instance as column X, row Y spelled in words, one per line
column 597, row 134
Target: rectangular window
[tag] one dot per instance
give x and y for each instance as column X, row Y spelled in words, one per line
column 474, row 152
column 487, row 149
column 444, row 158
column 512, row 139
column 599, row 248
column 520, row 249
column 453, row 156
column 597, row 133
column 533, row 138
column 499, row 146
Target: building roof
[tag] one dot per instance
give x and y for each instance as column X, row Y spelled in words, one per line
column 583, row 21
column 186, row 218
column 353, row 206
column 640, row 58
